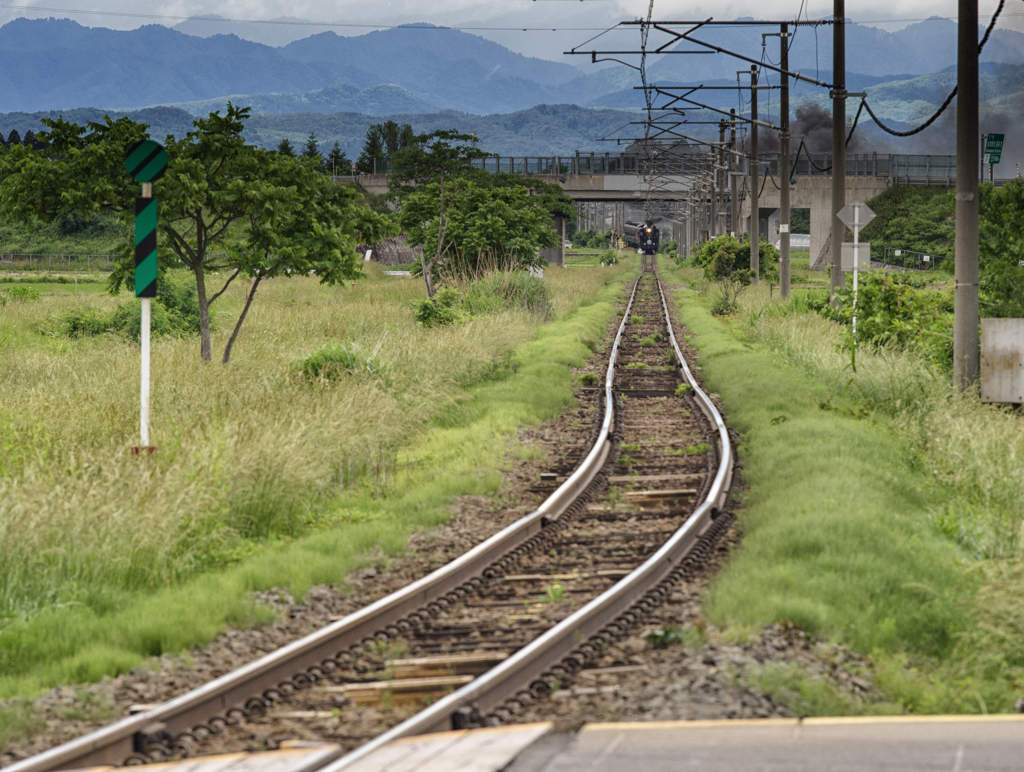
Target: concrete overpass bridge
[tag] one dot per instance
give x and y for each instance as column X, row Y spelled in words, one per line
column 610, row 189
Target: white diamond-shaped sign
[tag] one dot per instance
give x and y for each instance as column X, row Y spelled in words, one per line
column 847, row 213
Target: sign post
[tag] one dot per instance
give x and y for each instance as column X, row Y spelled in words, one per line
column 993, row 152
column 145, row 162
column 855, row 215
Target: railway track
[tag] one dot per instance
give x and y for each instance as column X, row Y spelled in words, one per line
column 515, row 618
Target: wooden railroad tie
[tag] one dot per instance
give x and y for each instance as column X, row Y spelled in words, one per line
column 400, row 691
column 640, row 497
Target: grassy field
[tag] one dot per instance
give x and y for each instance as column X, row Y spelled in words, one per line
column 262, row 477
column 884, row 511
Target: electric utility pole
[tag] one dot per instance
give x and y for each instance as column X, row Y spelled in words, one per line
column 838, row 279
column 755, row 212
column 965, row 293
column 734, row 201
column 784, row 167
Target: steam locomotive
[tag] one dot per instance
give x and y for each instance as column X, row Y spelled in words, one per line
column 643, row 235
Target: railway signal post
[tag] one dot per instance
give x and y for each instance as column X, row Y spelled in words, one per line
column 146, row 161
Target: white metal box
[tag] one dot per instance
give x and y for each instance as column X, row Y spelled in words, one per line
column 1002, row 360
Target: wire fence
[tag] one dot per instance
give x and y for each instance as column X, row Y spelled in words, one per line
column 908, row 259
column 70, row 263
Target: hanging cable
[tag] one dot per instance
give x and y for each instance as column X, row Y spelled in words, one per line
column 945, row 104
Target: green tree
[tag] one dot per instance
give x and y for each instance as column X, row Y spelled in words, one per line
column 383, row 141
column 374, row 149
column 1001, row 245
column 284, row 147
column 499, row 227
column 226, row 208
column 444, row 157
column 14, row 138
column 337, row 162
column 311, row 150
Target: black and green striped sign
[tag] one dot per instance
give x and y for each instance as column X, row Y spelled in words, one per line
column 146, row 161
column 145, row 247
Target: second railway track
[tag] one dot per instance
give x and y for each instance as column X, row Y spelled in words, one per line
column 516, row 617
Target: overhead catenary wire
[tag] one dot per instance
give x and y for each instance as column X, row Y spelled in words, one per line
column 949, row 99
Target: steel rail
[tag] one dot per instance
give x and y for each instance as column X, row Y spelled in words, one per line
column 115, row 743
column 514, row 674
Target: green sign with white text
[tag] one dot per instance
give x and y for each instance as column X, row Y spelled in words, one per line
column 993, row 148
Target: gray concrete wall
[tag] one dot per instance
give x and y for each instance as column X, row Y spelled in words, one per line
column 815, row 193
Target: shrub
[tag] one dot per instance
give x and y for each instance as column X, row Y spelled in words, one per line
column 1002, row 249
column 496, row 292
column 18, row 294
column 893, row 309
column 336, row 360
column 501, row 290
column 609, row 258
column 439, row 311
column 725, row 256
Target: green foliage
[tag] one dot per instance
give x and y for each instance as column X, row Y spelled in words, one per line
column 495, row 292
column 502, row 290
column 18, row 294
column 610, row 257
column 224, row 205
column 663, row 637
column 894, row 309
column 589, row 379
column 911, row 217
column 668, row 247
column 174, row 312
column 1002, row 250
column 335, row 360
column 591, row 240
column 284, row 147
column 440, row 310
column 553, row 593
column 480, row 228
column 383, row 141
column 726, row 256
column 800, row 221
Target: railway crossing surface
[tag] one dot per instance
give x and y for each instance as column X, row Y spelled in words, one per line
column 843, row 744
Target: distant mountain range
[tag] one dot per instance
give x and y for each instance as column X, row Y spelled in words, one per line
column 543, row 130
column 59, row 64
column 385, row 99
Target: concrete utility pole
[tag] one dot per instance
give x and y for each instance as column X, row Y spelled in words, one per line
column 720, row 172
column 734, row 201
column 713, row 225
column 838, row 279
column 755, row 212
column 965, row 293
column 784, row 168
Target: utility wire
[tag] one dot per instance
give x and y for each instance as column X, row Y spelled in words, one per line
column 864, row 102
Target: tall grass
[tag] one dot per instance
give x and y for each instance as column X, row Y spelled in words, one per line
column 975, row 451
column 884, row 509
column 244, row 453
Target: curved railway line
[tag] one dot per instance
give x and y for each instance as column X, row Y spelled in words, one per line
column 516, row 617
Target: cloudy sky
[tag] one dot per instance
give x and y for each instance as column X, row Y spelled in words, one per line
column 551, row 25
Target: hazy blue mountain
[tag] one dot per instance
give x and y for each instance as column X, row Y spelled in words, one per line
column 541, row 130
column 54, row 64
column 57, row 63
column 281, row 30
column 385, row 99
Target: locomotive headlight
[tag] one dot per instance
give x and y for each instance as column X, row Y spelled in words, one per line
column 648, row 230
